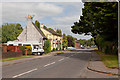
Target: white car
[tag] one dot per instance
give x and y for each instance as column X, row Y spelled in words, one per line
column 71, row 48
column 37, row 50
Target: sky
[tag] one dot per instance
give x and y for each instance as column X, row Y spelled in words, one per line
column 59, row 15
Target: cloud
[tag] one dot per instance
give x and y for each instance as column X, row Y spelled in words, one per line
column 67, row 19
column 18, row 11
column 53, row 15
column 66, row 28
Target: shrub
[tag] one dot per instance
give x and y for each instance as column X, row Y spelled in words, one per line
column 8, row 50
column 47, row 46
column 54, row 49
column 22, row 48
column 29, row 50
column 60, row 49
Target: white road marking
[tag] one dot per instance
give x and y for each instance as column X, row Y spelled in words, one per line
column 61, row 59
column 24, row 73
column 49, row 64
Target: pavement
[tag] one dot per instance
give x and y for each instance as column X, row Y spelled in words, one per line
column 95, row 64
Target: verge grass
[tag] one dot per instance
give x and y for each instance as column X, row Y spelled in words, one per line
column 110, row 61
column 15, row 58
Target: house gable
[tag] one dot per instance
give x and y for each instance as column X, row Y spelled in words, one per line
column 31, row 33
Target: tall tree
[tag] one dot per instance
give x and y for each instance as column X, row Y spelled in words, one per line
column 71, row 41
column 65, row 42
column 59, row 31
column 37, row 23
column 99, row 19
column 10, row 32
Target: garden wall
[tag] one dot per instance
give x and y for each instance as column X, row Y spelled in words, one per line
column 11, row 54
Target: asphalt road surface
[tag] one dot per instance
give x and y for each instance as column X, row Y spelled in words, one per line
column 67, row 65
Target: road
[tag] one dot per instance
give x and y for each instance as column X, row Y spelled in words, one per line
column 68, row 65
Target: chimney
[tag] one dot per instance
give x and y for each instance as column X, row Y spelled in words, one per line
column 41, row 25
column 29, row 19
column 55, row 29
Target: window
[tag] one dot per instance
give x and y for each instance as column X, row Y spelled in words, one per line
column 40, row 39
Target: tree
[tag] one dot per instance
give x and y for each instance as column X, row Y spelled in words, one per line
column 37, row 23
column 65, row 42
column 51, row 29
column 71, row 41
column 99, row 19
column 59, row 31
column 82, row 41
column 10, row 32
column 47, row 46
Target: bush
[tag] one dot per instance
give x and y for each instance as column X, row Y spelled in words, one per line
column 29, row 50
column 22, row 48
column 8, row 50
column 54, row 49
column 47, row 46
column 60, row 49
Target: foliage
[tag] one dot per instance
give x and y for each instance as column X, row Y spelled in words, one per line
column 59, row 31
column 60, row 49
column 22, row 48
column 8, row 50
column 37, row 23
column 29, row 50
column 47, row 46
column 111, row 61
column 45, row 27
column 10, row 32
column 99, row 19
column 51, row 29
column 65, row 42
column 71, row 41
column 54, row 49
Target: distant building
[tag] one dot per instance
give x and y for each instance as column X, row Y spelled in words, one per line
column 77, row 44
column 53, row 36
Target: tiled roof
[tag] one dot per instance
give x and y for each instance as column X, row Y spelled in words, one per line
column 53, row 32
column 39, row 30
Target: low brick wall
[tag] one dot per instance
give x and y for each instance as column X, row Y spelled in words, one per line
column 11, row 54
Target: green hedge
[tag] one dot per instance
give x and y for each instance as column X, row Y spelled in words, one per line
column 22, row 48
column 47, row 46
column 54, row 49
column 29, row 49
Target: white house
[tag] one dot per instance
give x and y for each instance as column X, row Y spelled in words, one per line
column 30, row 36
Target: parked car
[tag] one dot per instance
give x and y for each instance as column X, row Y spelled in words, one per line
column 36, row 50
column 71, row 48
column 82, row 47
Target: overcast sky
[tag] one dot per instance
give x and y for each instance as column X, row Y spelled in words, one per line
column 53, row 15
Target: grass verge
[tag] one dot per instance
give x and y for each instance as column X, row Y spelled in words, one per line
column 15, row 58
column 110, row 61
column 62, row 52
